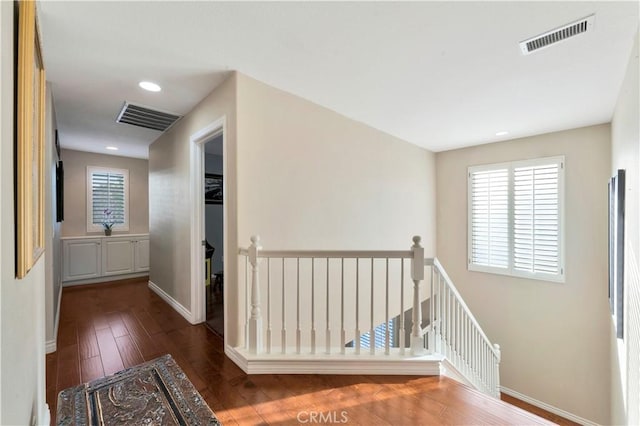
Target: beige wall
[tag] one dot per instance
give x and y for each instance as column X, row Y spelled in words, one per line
column 309, row 178
column 75, row 191
column 551, row 334
column 22, row 305
column 306, row 178
column 169, row 199
column 625, row 154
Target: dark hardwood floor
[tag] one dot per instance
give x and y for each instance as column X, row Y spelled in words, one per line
column 107, row 327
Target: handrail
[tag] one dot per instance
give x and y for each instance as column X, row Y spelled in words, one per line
column 454, row 290
column 452, row 331
column 323, row 254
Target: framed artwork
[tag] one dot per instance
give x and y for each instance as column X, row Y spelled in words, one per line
column 59, row 192
column 616, row 250
column 30, row 118
column 212, row 188
column 57, row 142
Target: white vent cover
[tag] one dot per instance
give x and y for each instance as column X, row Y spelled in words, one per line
column 149, row 118
column 555, row 36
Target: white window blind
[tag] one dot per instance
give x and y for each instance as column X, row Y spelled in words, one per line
column 490, row 217
column 536, row 219
column 381, row 336
column 515, row 218
column 107, row 191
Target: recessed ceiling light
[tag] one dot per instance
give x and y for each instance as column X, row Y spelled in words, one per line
column 111, row 148
column 502, row 133
column 147, row 85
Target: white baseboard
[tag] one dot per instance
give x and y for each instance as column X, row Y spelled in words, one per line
column 105, row 279
column 45, row 417
column 235, row 356
column 172, row 302
column 51, row 345
column 451, row 372
column 335, row 363
column 550, row 408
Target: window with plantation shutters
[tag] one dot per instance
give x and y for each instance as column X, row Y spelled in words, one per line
column 516, row 217
column 107, row 198
column 490, row 218
column 380, row 336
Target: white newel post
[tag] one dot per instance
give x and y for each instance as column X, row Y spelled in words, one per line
column 255, row 322
column 417, row 275
column 497, row 368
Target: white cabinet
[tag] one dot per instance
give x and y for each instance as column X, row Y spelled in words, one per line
column 117, row 256
column 81, row 259
column 93, row 258
column 125, row 255
column 141, row 255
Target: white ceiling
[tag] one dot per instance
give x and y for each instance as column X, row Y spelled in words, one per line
column 440, row 75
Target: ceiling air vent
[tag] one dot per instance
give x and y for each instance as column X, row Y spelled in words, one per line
column 555, row 36
column 149, row 118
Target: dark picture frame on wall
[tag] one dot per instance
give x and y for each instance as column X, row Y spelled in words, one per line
column 59, row 192
column 616, row 250
column 212, row 188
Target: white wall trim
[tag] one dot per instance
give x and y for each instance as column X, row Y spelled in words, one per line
column 51, row 345
column 550, row 408
column 450, row 371
column 45, row 416
column 336, row 363
column 105, row 279
column 236, row 357
column 196, row 167
column 172, row 302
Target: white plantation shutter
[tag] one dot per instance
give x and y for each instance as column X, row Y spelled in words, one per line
column 490, row 218
column 536, row 219
column 107, row 190
column 515, row 218
column 381, row 336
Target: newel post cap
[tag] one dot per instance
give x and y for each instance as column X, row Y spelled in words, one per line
column 253, row 250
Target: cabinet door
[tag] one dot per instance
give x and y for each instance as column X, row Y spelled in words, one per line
column 117, row 256
column 81, row 259
column 142, row 255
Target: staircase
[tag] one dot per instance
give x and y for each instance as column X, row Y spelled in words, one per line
column 318, row 304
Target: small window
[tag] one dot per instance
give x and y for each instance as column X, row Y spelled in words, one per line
column 515, row 214
column 381, row 336
column 107, row 198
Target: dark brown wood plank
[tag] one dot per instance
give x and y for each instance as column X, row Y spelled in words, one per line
column 111, row 360
column 88, row 343
column 67, row 334
column 91, row 369
column 150, row 325
column 147, row 346
column 68, row 367
column 100, row 320
column 128, row 351
column 118, row 328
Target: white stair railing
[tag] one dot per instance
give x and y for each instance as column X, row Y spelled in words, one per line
column 455, row 333
column 349, row 289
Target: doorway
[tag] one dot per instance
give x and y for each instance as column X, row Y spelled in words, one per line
column 214, row 234
column 206, row 263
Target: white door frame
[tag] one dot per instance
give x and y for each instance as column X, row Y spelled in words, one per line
column 197, row 141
